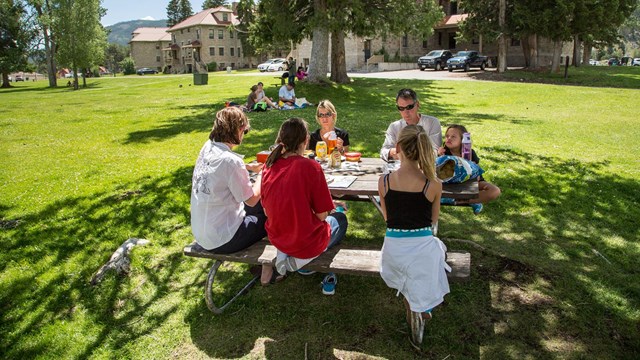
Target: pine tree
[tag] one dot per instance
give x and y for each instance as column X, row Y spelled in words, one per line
column 209, row 4
column 173, row 15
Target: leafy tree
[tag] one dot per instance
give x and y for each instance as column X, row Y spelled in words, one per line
column 16, row 35
column 128, row 66
column 281, row 22
column 209, row 4
column 81, row 39
column 178, row 11
column 113, row 55
column 44, row 19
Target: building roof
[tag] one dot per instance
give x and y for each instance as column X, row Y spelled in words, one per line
column 450, row 21
column 151, row 34
column 211, row 16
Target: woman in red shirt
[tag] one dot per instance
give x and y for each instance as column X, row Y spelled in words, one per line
column 297, row 201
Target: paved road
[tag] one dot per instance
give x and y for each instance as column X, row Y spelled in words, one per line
column 401, row 74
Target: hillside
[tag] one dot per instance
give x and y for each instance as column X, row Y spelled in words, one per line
column 120, row 33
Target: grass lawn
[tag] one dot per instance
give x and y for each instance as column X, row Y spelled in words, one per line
column 82, row 171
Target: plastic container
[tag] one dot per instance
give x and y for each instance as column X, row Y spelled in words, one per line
column 466, row 146
column 262, row 156
column 321, row 150
column 352, row 156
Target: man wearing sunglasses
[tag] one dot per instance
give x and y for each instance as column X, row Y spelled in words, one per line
column 408, row 105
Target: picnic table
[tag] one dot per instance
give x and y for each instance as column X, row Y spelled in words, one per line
column 367, row 172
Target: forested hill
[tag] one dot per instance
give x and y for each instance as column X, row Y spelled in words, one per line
column 120, row 33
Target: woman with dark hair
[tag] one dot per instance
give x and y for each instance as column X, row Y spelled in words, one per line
column 226, row 214
column 301, row 223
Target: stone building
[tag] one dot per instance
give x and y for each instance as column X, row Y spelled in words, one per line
column 146, row 46
column 204, row 38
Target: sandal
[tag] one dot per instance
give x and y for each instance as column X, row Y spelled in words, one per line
column 270, row 276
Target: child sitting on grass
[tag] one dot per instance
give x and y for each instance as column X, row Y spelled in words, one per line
column 453, row 146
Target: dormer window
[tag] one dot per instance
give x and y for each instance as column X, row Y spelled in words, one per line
column 225, row 17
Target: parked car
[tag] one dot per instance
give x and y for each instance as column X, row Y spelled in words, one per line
column 277, row 65
column 143, row 71
column 593, row 62
column 466, row 60
column 19, row 78
column 613, row 62
column 265, row 65
column 636, row 62
column 436, row 59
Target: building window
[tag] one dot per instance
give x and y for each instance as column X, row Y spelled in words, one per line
column 212, row 51
column 475, row 41
column 230, row 34
column 439, row 39
column 233, row 65
column 221, row 51
column 405, row 41
column 188, row 29
column 197, row 34
column 212, row 34
column 454, row 8
column 157, row 58
column 238, row 52
column 220, row 34
column 425, row 44
column 225, row 17
column 515, row 42
column 221, row 66
column 157, row 46
column 181, row 31
column 231, row 50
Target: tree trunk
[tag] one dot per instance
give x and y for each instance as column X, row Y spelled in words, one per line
column 5, row 80
column 586, row 53
column 84, row 77
column 576, row 50
column 75, row 77
column 557, row 52
column 533, row 51
column 502, row 40
column 49, row 47
column 318, row 64
column 524, row 41
column 338, row 59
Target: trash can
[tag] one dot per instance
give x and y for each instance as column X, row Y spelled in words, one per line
column 228, row 69
column 200, row 79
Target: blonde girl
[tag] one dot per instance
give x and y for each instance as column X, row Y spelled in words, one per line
column 326, row 116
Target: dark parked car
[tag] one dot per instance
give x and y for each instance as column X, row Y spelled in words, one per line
column 613, row 62
column 436, row 59
column 143, row 71
column 466, row 60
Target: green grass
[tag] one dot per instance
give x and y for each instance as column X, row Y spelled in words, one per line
column 82, row 171
column 594, row 76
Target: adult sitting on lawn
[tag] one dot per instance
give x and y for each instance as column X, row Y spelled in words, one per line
column 260, row 96
column 408, row 105
column 226, row 214
column 287, row 95
column 298, row 202
column 326, row 116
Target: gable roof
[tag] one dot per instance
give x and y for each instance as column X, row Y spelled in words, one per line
column 211, row 16
column 151, row 34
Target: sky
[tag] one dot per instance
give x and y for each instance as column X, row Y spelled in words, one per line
column 125, row 10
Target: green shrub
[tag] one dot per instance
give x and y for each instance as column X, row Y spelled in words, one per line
column 128, row 66
column 212, row 66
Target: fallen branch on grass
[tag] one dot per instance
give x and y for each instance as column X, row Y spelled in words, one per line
column 119, row 261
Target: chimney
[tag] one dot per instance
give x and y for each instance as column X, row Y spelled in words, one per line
column 234, row 7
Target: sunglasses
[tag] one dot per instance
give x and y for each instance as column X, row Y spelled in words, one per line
column 408, row 107
column 246, row 131
column 322, row 115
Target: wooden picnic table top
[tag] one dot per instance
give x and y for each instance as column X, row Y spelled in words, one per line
column 368, row 171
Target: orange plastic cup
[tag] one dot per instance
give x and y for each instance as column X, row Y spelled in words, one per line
column 262, row 156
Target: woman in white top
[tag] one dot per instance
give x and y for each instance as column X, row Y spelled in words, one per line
column 226, row 214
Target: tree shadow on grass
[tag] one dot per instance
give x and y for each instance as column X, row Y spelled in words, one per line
column 62, row 246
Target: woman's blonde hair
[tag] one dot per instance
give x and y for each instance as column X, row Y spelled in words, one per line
column 326, row 104
column 227, row 124
column 416, row 146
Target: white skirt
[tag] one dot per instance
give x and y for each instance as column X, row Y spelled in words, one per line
column 413, row 262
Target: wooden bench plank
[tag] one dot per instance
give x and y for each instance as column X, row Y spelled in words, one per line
column 340, row 259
